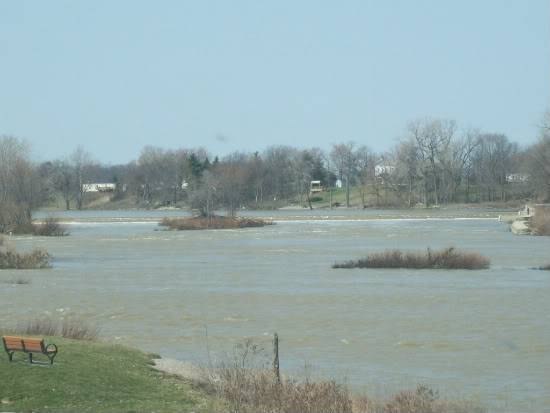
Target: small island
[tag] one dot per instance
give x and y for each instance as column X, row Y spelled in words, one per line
column 447, row 258
column 212, row 222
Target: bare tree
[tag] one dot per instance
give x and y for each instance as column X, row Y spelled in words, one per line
column 345, row 160
column 19, row 183
column 81, row 162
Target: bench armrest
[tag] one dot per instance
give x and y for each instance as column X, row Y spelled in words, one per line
column 51, row 348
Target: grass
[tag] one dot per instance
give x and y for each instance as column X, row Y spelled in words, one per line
column 91, row 376
column 67, row 328
column 448, row 258
column 215, row 222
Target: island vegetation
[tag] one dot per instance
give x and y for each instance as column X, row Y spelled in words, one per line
column 212, row 222
column 448, row 258
column 11, row 259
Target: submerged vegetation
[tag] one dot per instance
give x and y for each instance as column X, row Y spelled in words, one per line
column 448, row 258
column 49, row 228
column 68, row 328
column 213, row 222
column 11, row 259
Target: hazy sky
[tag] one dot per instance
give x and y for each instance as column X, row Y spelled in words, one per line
column 242, row 75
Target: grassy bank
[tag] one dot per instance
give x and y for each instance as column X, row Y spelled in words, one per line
column 214, row 222
column 448, row 258
column 90, row 376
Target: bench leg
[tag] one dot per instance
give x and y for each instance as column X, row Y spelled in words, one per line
column 10, row 355
column 51, row 357
column 30, row 358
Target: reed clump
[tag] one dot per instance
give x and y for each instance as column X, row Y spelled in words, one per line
column 213, row 222
column 246, row 383
column 540, row 222
column 11, row 259
column 50, row 228
column 448, row 258
column 68, row 328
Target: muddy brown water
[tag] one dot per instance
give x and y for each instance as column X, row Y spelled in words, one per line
column 474, row 334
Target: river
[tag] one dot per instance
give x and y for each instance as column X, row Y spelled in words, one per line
column 475, row 334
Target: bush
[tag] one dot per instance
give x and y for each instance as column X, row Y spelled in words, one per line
column 540, row 223
column 214, row 222
column 448, row 258
column 50, row 228
column 247, row 384
column 35, row 259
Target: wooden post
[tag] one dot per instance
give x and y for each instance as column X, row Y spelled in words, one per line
column 276, row 357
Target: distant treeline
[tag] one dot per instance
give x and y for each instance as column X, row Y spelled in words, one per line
column 435, row 163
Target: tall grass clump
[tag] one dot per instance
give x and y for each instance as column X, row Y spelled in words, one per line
column 540, row 222
column 50, row 228
column 448, row 258
column 247, row 384
column 68, row 328
column 212, row 222
column 11, row 259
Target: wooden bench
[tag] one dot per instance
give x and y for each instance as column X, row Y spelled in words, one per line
column 30, row 346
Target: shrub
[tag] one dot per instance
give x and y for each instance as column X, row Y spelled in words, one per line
column 448, row 258
column 50, row 228
column 36, row 259
column 249, row 386
column 214, row 222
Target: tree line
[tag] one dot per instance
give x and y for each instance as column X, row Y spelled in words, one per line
column 434, row 163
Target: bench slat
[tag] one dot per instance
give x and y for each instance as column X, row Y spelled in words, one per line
column 33, row 345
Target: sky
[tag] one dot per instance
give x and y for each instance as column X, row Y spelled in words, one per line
column 114, row 76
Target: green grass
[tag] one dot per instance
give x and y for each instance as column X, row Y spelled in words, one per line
column 90, row 376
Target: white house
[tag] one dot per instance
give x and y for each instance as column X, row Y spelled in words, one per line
column 517, row 178
column 99, row 187
column 380, row 170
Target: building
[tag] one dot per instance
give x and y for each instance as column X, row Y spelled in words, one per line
column 99, row 187
column 381, row 170
column 517, row 178
column 315, row 187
